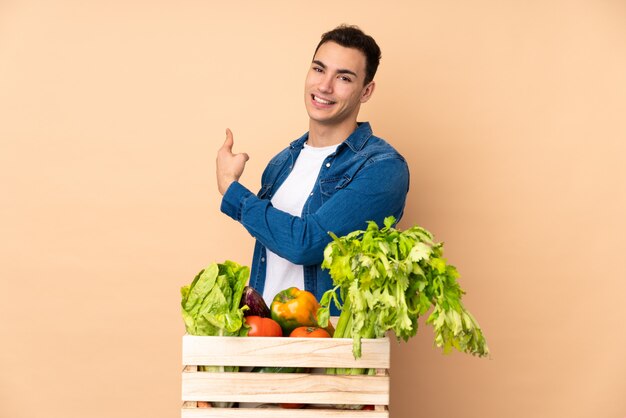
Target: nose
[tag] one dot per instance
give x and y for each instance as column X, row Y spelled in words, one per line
column 326, row 84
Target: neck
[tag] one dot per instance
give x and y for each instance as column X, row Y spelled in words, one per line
column 321, row 135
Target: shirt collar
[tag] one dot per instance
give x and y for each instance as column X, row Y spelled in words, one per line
column 355, row 141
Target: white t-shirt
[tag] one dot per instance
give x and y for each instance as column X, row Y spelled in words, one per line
column 291, row 197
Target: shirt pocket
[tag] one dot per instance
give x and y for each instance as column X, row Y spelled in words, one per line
column 329, row 187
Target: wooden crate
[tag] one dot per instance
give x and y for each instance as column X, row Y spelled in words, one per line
column 315, row 389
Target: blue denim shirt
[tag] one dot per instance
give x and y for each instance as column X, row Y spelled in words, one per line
column 364, row 179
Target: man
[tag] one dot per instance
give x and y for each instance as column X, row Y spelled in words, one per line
column 334, row 178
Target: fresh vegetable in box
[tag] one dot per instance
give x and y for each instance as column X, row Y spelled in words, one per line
column 255, row 303
column 210, row 306
column 310, row 332
column 293, row 308
column 262, row 327
column 387, row 278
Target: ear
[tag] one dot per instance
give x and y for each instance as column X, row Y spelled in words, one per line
column 368, row 91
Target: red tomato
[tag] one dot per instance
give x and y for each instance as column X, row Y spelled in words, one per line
column 263, row 327
column 310, row 332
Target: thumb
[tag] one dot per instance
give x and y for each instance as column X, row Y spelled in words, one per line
column 228, row 143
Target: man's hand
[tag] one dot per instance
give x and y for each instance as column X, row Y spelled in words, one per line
column 229, row 166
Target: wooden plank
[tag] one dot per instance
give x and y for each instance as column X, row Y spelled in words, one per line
column 285, row 387
column 279, row 413
column 283, row 351
column 190, row 404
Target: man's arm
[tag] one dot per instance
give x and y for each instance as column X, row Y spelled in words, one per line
column 378, row 190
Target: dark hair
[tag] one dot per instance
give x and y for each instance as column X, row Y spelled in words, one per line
column 353, row 37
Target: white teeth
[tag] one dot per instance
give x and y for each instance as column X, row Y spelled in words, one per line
column 322, row 101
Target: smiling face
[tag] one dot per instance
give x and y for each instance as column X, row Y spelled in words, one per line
column 333, row 89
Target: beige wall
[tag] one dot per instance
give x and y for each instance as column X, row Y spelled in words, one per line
column 511, row 115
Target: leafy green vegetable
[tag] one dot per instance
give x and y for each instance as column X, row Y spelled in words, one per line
column 210, row 306
column 387, row 278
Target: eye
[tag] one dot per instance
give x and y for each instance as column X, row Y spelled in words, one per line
column 318, row 69
column 345, row 78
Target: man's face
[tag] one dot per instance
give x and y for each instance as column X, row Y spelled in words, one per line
column 333, row 89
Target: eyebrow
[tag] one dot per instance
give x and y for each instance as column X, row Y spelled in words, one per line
column 340, row 71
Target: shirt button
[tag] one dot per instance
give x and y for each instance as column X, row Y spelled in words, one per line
column 262, row 259
column 327, row 165
column 311, row 194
